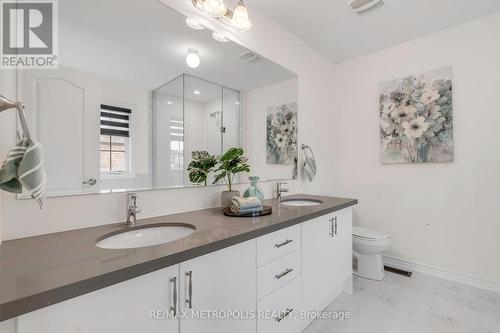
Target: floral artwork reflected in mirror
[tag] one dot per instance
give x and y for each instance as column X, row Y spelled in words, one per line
column 281, row 145
column 416, row 118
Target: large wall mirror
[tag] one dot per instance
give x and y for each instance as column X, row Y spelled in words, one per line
column 124, row 111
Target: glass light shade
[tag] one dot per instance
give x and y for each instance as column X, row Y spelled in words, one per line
column 194, row 23
column 193, row 59
column 240, row 18
column 215, row 8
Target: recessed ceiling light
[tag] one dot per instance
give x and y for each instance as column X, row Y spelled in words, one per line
column 220, row 37
column 193, row 22
column 170, row 102
column 196, row 92
column 193, row 59
column 237, row 103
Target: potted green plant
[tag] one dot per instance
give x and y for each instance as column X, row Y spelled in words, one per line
column 200, row 166
column 231, row 163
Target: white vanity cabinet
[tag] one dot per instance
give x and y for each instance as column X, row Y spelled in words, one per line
column 219, row 283
column 299, row 268
column 125, row 307
column 326, row 258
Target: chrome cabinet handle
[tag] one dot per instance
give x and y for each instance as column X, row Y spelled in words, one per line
column 283, row 244
column 284, row 315
column 280, row 275
column 173, row 308
column 90, row 181
column 333, row 226
column 189, row 301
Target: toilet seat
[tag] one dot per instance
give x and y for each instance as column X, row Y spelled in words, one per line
column 364, row 233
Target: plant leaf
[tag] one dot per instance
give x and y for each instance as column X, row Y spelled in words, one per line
column 231, row 154
column 197, row 176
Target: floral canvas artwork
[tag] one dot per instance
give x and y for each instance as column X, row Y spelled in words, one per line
column 416, row 118
column 281, row 134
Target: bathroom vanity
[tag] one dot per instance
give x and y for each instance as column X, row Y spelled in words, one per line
column 257, row 273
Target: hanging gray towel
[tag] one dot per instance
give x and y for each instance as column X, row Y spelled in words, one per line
column 310, row 168
column 23, row 168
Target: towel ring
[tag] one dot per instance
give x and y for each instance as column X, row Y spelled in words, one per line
column 6, row 104
column 306, row 148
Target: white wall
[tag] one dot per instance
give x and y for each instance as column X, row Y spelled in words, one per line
column 254, row 126
column 23, row 218
column 444, row 215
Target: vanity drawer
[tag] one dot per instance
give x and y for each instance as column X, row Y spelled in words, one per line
column 277, row 244
column 283, row 305
column 277, row 273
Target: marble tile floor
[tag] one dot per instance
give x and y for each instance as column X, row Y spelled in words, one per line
column 422, row 304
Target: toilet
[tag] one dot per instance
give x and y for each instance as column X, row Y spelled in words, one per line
column 368, row 245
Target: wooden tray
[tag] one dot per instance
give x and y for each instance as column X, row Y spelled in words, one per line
column 265, row 211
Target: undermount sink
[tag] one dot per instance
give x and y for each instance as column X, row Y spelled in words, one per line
column 301, row 202
column 148, row 235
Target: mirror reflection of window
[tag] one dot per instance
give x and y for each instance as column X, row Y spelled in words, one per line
column 115, row 141
column 176, row 144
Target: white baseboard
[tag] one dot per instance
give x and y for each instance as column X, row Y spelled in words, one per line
column 412, row 266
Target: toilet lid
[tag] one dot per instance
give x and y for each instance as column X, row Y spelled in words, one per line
column 369, row 233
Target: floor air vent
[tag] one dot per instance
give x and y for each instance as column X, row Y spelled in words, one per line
column 397, row 271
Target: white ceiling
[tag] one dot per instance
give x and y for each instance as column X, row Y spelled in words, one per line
column 333, row 29
column 144, row 42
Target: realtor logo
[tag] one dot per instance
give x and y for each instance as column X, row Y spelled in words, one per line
column 29, row 34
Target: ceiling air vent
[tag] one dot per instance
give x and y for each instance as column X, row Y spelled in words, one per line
column 249, row 57
column 362, row 6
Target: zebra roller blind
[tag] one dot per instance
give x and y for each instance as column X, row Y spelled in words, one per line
column 115, row 120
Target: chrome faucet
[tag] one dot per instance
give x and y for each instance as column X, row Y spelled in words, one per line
column 280, row 189
column 132, row 209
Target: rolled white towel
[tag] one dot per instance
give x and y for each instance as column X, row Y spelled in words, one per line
column 255, row 210
column 242, row 203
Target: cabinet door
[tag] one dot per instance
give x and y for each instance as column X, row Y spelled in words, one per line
column 343, row 255
column 218, row 282
column 132, row 306
column 326, row 257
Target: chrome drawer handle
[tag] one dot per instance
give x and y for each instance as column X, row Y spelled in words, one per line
column 280, row 275
column 189, row 301
column 173, row 308
column 284, row 315
column 333, row 226
column 283, row 244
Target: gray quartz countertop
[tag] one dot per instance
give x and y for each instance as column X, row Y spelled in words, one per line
column 39, row 271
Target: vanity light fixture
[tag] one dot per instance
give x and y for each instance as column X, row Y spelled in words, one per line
column 214, row 8
column 237, row 19
column 240, row 17
column 220, row 37
column 197, row 92
column 192, row 58
column 193, row 22
column 170, row 102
